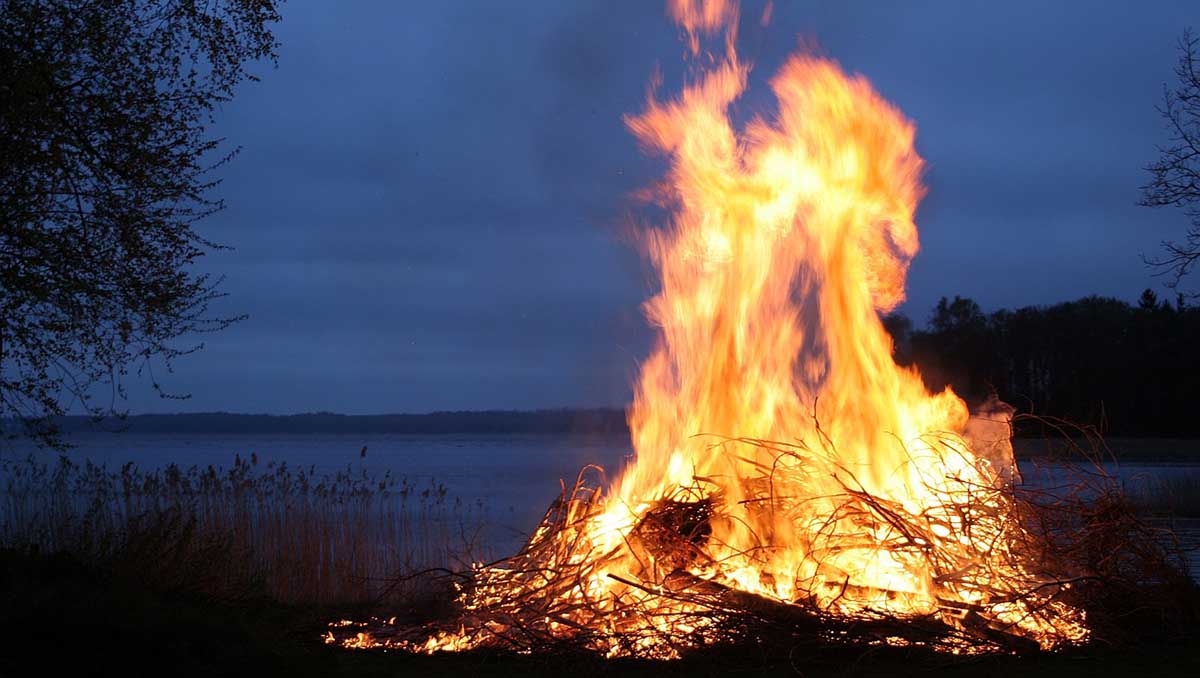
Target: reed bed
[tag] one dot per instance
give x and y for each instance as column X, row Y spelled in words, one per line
column 292, row 534
column 1174, row 493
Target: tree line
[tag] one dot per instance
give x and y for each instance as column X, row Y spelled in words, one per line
column 1128, row 369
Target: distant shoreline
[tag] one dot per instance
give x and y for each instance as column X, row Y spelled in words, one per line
column 563, row 421
column 586, row 421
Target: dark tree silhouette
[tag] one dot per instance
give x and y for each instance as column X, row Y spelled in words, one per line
column 900, row 328
column 105, row 166
column 1130, row 369
column 957, row 349
column 1175, row 176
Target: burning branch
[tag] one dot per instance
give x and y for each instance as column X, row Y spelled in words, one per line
column 892, row 516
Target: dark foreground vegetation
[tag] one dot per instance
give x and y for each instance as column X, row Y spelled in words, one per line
column 239, row 572
column 58, row 614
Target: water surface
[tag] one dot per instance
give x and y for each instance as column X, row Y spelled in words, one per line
column 513, row 477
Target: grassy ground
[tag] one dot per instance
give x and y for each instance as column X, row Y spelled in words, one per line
column 59, row 615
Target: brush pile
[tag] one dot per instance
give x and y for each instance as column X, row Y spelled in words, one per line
column 1085, row 557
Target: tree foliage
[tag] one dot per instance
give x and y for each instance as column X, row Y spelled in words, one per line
column 1128, row 369
column 1175, row 176
column 106, row 165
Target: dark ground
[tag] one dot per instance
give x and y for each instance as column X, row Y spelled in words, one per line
column 59, row 616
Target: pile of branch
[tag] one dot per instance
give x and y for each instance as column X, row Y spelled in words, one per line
column 1081, row 546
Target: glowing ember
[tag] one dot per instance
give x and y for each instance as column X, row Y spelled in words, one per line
column 787, row 240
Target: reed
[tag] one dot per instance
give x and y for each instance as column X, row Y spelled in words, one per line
column 1174, row 492
column 292, row 534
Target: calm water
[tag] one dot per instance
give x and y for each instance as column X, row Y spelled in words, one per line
column 515, row 477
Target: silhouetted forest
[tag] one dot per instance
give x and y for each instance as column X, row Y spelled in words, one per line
column 1131, row 370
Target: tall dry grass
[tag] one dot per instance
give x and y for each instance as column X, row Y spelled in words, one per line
column 1173, row 492
column 292, row 534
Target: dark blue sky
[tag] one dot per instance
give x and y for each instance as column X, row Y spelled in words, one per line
column 428, row 208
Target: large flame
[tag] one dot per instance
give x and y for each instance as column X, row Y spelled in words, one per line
column 787, row 241
column 788, row 238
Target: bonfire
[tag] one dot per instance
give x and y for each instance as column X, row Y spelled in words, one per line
column 788, row 473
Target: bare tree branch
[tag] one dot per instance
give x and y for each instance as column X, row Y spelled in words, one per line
column 1175, row 176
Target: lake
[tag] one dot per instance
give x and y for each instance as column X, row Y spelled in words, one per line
column 513, row 477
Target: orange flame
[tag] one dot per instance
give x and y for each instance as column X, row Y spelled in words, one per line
column 787, row 240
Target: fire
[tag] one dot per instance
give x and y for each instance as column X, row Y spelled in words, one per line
column 788, row 237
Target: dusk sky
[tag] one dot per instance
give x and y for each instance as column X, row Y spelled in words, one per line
column 429, row 208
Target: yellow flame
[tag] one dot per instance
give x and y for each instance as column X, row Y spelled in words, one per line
column 787, row 241
column 788, row 238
